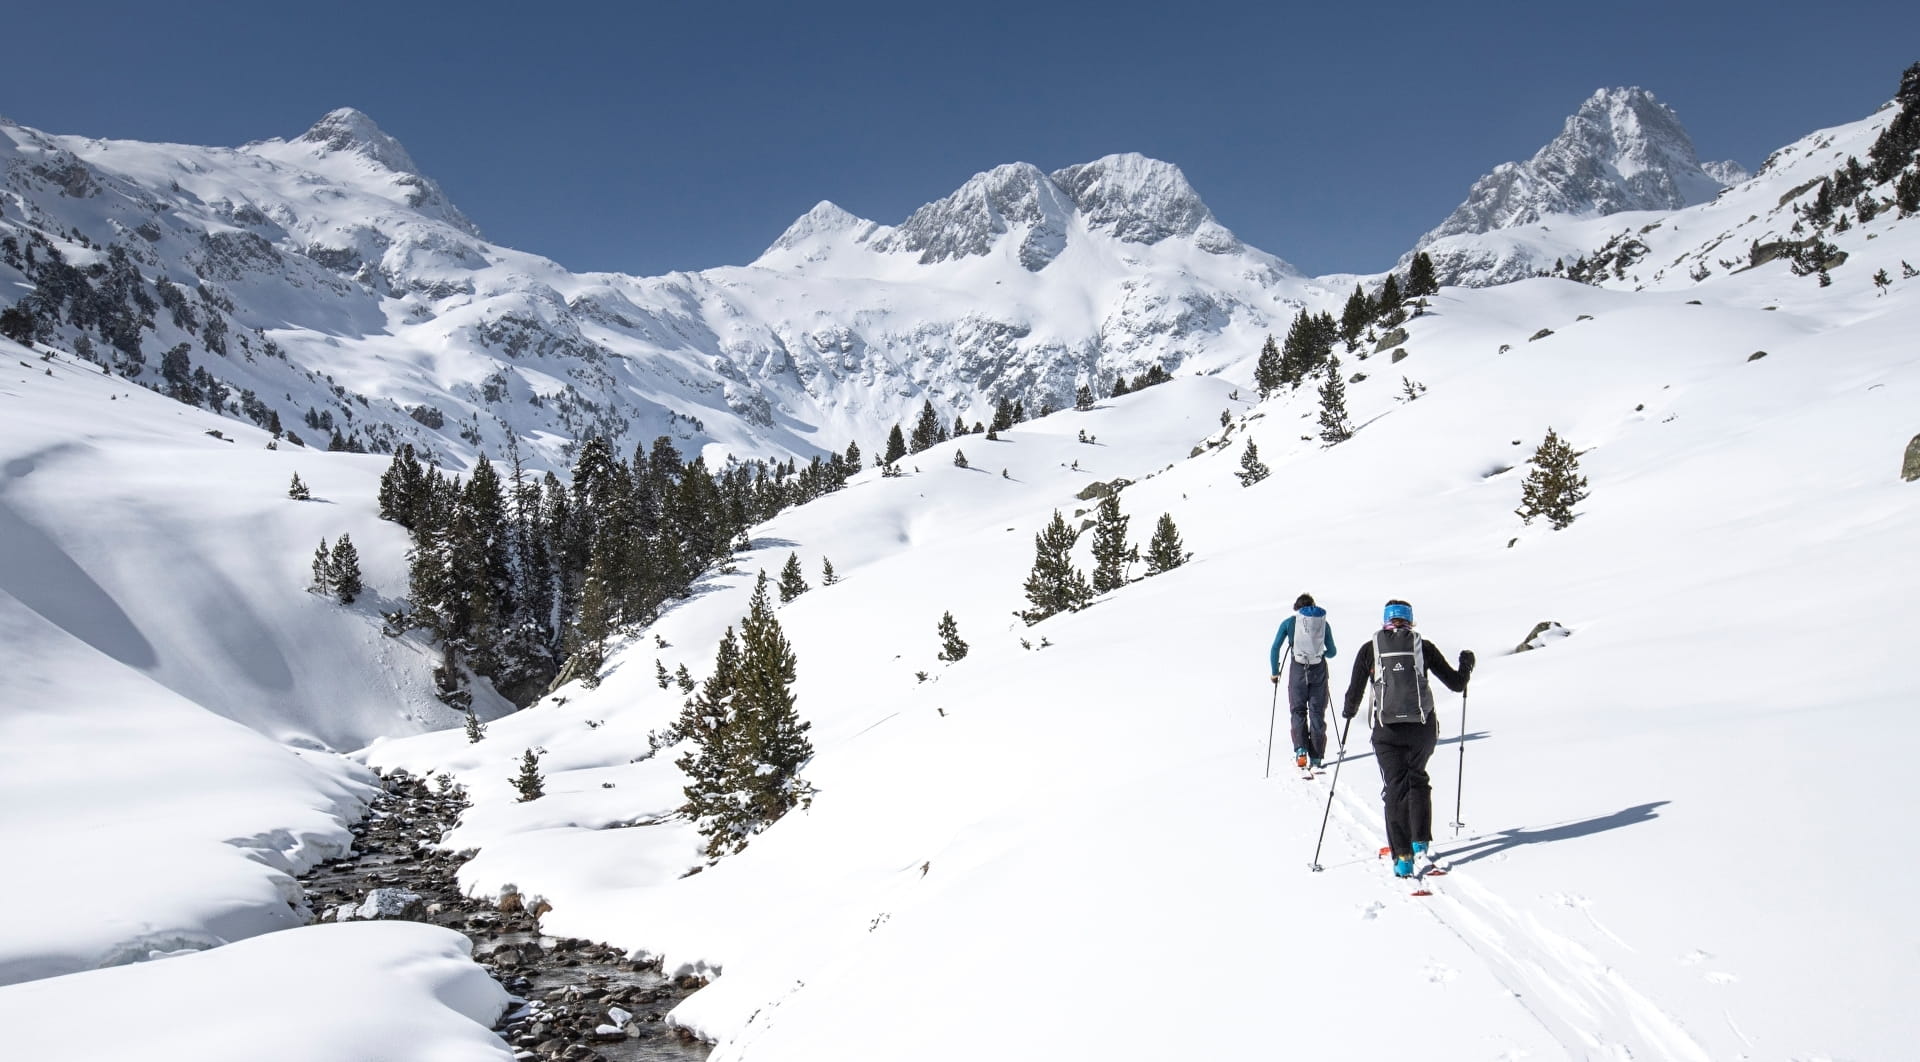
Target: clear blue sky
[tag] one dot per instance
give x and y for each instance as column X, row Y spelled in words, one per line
column 647, row 137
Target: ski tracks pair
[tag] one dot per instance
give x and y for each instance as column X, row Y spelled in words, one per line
column 1582, row 1000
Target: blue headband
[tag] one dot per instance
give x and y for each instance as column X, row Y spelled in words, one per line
column 1395, row 612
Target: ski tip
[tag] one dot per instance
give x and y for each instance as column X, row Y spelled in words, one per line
column 1421, row 892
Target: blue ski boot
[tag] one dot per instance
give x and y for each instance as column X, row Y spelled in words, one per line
column 1419, row 849
column 1403, row 866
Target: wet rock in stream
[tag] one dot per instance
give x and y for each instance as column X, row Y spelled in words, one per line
column 574, row 1000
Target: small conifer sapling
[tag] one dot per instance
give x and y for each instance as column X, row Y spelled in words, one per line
column 1165, row 551
column 1252, row 470
column 529, row 783
column 951, row 647
column 792, row 582
column 1554, row 486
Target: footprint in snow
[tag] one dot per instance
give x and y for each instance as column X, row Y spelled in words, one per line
column 1440, row 973
column 1719, row 978
column 1695, row 957
column 1372, row 911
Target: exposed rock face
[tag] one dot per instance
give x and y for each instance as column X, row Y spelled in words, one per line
column 1017, row 198
column 1623, row 150
column 1910, row 468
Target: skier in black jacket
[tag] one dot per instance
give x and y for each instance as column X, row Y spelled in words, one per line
column 1395, row 663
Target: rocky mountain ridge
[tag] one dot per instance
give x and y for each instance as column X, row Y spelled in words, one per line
column 325, row 285
column 1622, row 151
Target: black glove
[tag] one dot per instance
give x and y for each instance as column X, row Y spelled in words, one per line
column 1466, row 662
column 1349, row 713
column 1276, row 680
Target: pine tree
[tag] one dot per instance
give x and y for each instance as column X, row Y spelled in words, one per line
column 529, row 782
column 951, row 647
column 1003, row 417
column 1334, row 427
column 1390, row 297
column 926, row 432
column 1165, row 552
column 792, row 582
column 1554, row 486
column 827, row 578
column 1110, row 550
column 853, row 456
column 343, row 570
column 660, row 676
column 1899, row 142
column 896, row 446
column 1355, row 318
column 475, row 728
column 1083, row 398
column 297, row 490
column 772, row 743
column 401, row 486
column 960, row 459
column 1055, row 585
column 706, row 722
column 1420, row 277
column 684, row 679
column 1267, row 372
column 322, row 570
column 1252, row 469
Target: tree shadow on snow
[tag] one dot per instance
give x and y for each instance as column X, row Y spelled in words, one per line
column 1507, row 840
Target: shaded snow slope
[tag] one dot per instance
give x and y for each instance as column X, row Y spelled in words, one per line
column 153, row 599
column 178, row 555
column 368, row 990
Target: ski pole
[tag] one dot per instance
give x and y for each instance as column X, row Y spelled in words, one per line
column 1461, row 779
column 1331, row 786
column 1273, row 716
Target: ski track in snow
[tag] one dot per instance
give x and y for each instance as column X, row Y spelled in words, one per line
column 1580, row 999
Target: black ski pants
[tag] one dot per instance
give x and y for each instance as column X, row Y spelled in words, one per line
column 1402, row 751
column 1307, row 702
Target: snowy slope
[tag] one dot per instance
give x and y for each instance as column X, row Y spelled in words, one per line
column 1064, row 844
column 1041, row 847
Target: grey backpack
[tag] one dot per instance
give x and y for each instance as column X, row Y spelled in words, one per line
column 1309, row 638
column 1400, row 690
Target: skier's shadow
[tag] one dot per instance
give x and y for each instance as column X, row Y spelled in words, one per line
column 1506, row 840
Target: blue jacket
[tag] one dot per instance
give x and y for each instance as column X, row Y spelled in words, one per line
column 1286, row 632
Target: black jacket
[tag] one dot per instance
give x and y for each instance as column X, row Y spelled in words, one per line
column 1430, row 654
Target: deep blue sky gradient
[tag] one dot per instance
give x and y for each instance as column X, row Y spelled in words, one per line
column 648, row 137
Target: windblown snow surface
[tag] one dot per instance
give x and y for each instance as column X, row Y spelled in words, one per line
column 1683, row 821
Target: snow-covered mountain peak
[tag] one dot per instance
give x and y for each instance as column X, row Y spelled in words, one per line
column 1142, row 200
column 827, row 221
column 348, row 146
column 1622, row 150
column 354, row 132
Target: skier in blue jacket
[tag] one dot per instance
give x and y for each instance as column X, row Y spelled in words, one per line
column 1312, row 645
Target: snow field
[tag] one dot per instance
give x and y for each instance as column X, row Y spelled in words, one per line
column 1099, row 800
